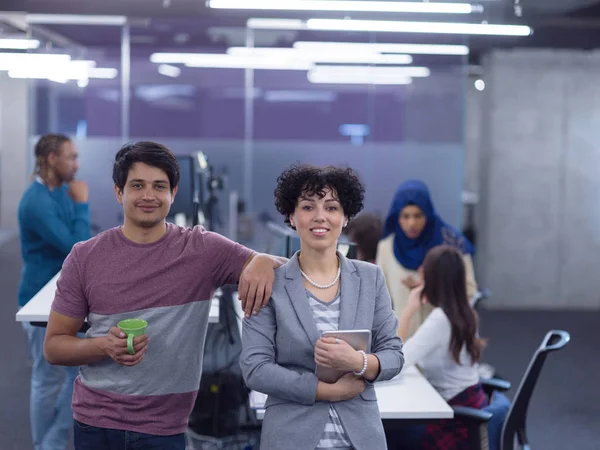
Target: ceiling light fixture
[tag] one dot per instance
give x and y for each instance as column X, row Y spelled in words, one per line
column 418, row 27
column 386, row 26
column 169, row 71
column 367, row 71
column 11, row 60
column 349, row 78
column 79, row 70
column 347, row 6
column 276, row 24
column 19, row 44
column 74, row 19
column 225, row 61
column 340, row 57
column 412, row 49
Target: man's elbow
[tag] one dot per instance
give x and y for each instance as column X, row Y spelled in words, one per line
column 49, row 354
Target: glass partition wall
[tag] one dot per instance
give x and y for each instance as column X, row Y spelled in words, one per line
column 253, row 100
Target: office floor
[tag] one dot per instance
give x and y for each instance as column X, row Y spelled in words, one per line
column 564, row 412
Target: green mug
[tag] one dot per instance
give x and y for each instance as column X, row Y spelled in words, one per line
column 132, row 328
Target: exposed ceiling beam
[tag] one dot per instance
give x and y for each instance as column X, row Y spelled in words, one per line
column 18, row 21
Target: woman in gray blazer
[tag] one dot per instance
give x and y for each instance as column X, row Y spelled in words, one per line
column 320, row 290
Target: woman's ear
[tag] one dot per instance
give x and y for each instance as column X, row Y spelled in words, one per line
column 292, row 220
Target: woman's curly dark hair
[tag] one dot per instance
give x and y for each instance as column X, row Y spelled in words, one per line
column 311, row 180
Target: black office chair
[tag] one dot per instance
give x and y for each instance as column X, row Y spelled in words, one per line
column 485, row 369
column 515, row 423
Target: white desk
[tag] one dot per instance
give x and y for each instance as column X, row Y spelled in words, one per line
column 408, row 396
column 38, row 308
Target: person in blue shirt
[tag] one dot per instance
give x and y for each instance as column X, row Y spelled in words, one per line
column 53, row 216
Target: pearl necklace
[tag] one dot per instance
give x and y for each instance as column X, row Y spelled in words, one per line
column 323, row 286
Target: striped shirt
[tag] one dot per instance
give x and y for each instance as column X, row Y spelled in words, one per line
column 327, row 317
column 169, row 283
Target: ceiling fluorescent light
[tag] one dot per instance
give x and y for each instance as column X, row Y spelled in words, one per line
column 41, row 57
column 234, row 62
column 276, row 24
column 106, row 73
column 224, row 61
column 418, row 27
column 349, row 78
column 340, row 57
column 169, row 71
column 172, row 58
column 406, row 72
column 16, row 60
column 74, row 19
column 37, row 75
column 19, row 44
column 74, row 70
column 413, row 49
column 347, row 6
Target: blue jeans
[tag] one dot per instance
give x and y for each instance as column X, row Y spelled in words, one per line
column 88, row 437
column 51, row 395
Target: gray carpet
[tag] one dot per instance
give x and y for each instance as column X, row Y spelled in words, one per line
column 564, row 412
column 14, row 370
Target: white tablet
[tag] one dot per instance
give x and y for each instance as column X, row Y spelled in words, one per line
column 358, row 339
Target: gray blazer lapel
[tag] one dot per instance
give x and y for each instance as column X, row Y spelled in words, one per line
column 299, row 299
column 350, row 292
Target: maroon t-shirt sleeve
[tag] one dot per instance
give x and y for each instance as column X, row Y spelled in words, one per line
column 227, row 257
column 69, row 299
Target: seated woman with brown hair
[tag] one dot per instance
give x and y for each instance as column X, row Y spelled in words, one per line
column 446, row 346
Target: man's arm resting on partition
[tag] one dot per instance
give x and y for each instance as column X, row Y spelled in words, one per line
column 63, row 347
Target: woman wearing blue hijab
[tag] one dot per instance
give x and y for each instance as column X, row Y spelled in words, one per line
column 411, row 229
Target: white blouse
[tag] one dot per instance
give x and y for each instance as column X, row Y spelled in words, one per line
column 429, row 347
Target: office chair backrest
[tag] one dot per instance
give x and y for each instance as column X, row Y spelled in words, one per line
column 515, row 423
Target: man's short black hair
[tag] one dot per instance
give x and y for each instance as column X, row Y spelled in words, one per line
column 365, row 231
column 150, row 153
column 311, row 180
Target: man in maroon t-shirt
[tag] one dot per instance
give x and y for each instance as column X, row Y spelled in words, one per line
column 145, row 269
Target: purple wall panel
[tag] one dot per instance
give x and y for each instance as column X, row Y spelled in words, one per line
column 103, row 116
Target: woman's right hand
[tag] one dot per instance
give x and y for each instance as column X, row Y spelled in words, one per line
column 415, row 299
column 348, row 387
column 412, row 283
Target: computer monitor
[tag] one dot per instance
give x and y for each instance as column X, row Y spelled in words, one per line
column 184, row 200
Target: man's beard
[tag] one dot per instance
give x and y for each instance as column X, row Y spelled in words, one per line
column 64, row 178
